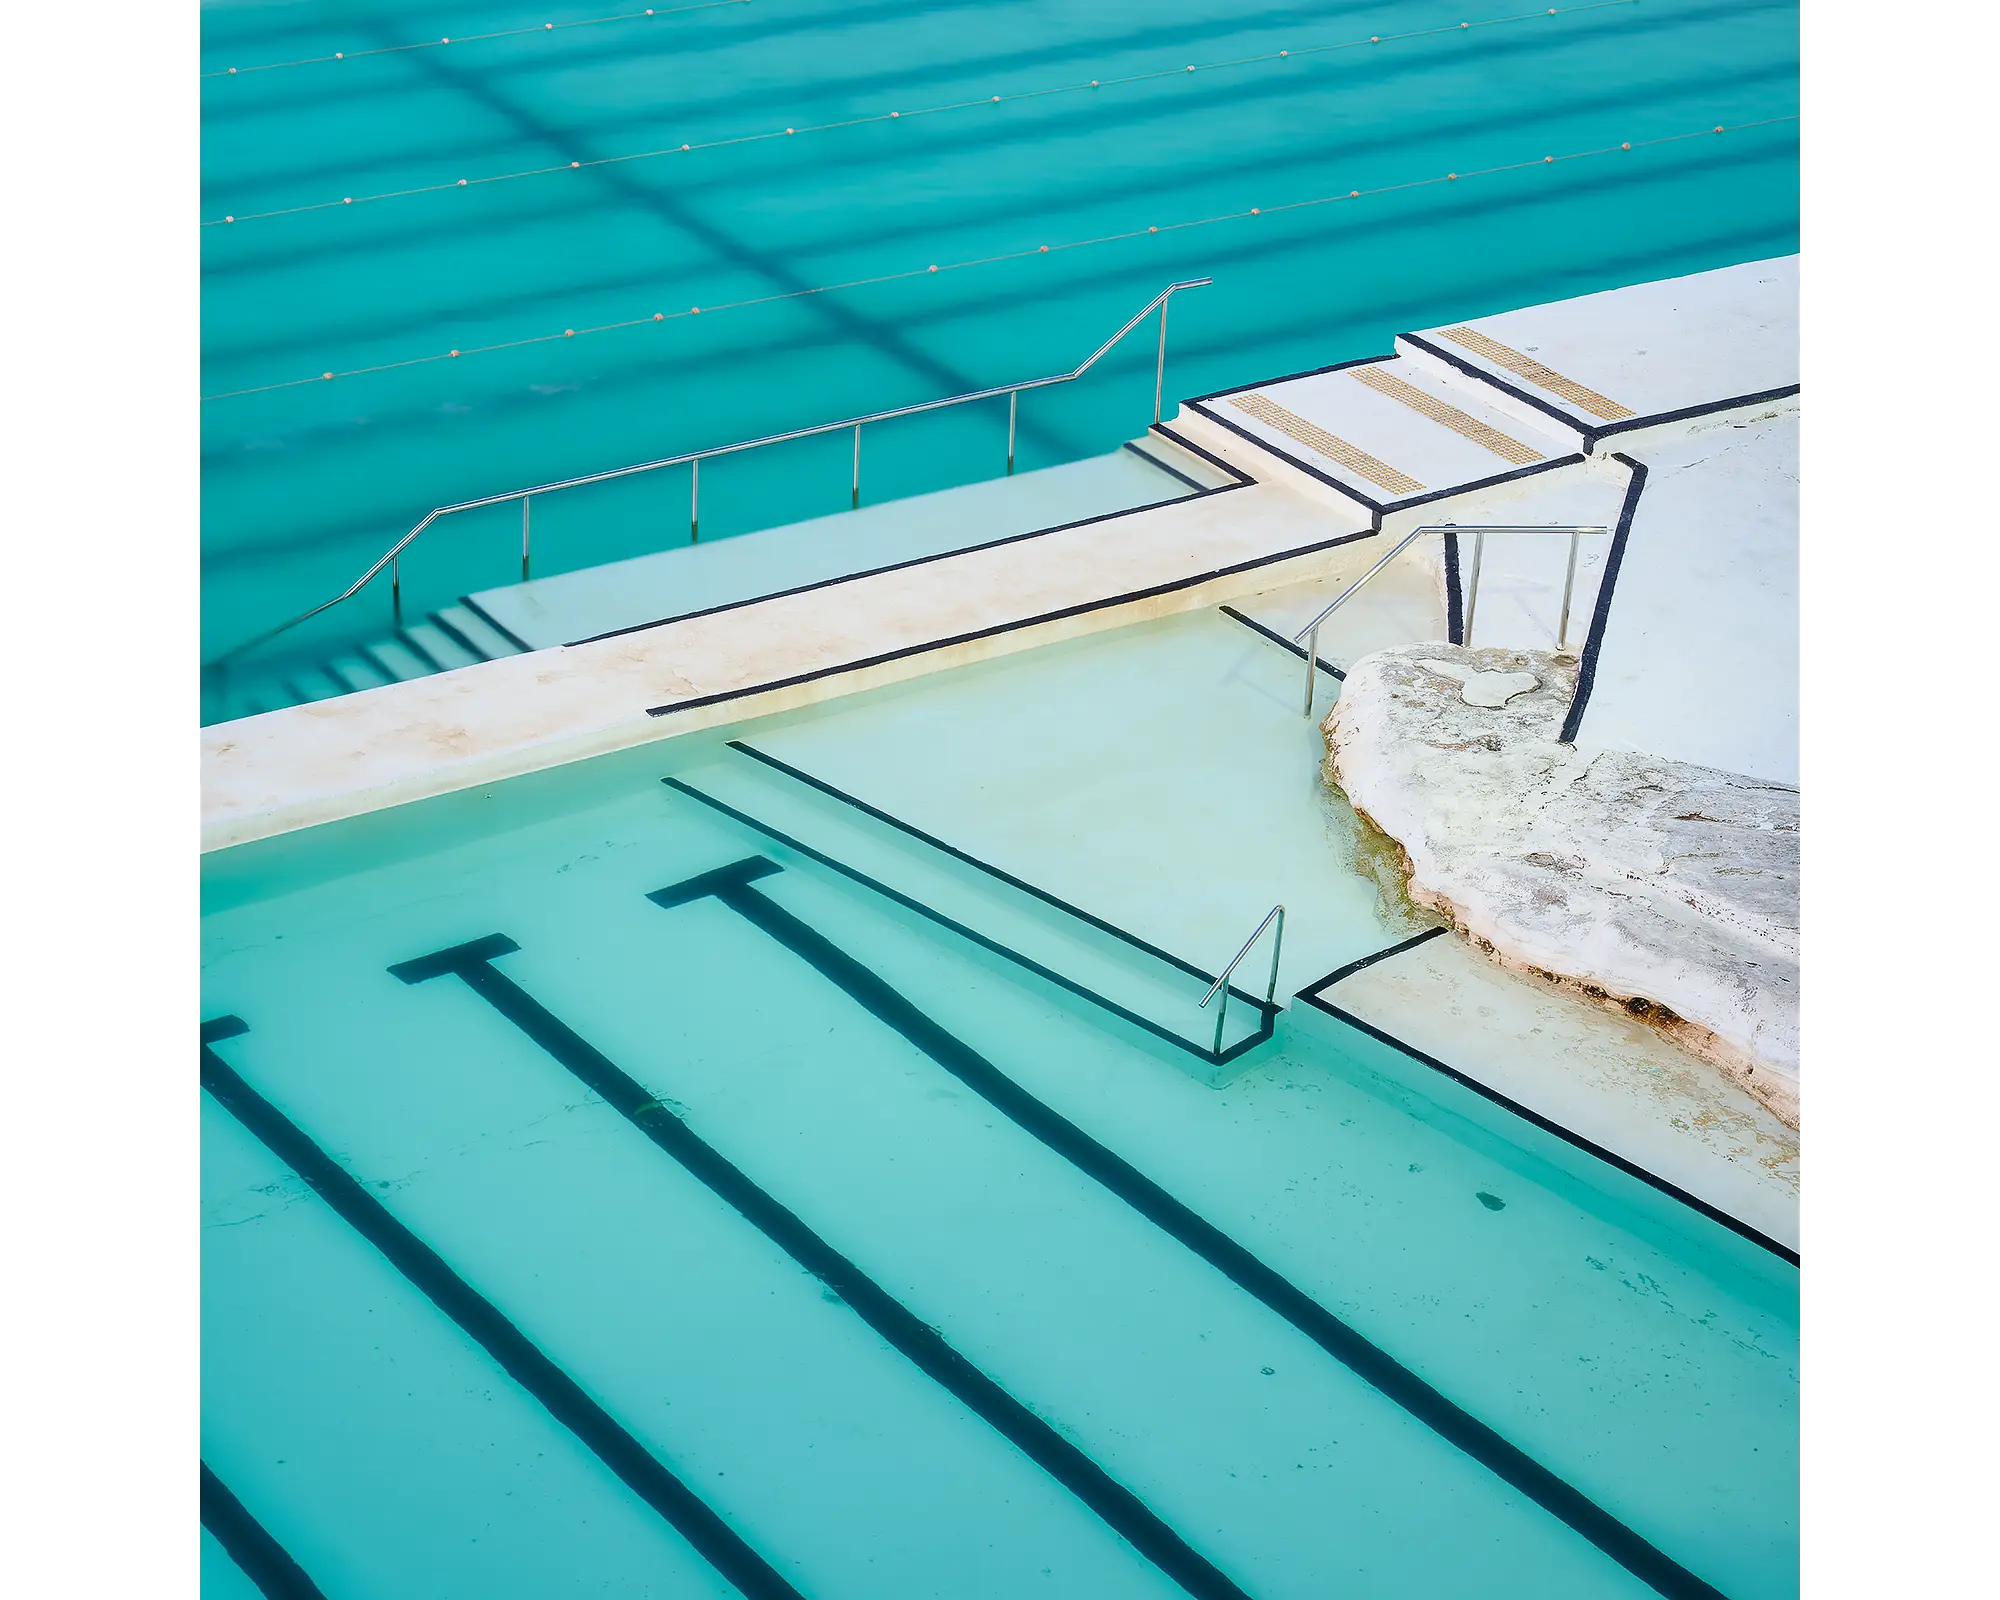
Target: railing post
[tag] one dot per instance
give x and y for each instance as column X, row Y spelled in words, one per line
column 1312, row 669
column 1472, row 587
column 526, row 501
column 857, row 466
column 1221, row 985
column 1160, row 368
column 1277, row 948
column 1013, row 399
column 694, row 503
column 1569, row 585
column 396, row 587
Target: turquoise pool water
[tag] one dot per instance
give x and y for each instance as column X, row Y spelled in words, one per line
column 604, row 1195
column 305, row 484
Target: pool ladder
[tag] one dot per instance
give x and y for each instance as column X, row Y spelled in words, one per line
column 1221, row 986
column 1309, row 634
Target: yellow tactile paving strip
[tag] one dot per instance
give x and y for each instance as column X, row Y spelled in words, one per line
column 1526, row 366
column 1465, row 426
column 1357, row 461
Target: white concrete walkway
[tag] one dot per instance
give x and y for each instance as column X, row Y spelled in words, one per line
column 1700, row 659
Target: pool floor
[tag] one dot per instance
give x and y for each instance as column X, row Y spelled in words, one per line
column 607, row 1198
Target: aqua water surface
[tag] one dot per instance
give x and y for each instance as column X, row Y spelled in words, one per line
column 616, row 1186
column 306, row 479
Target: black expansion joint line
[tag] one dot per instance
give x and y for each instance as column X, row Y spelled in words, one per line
column 902, row 1329
column 735, row 886
column 260, row 1558
column 1600, row 615
column 488, row 1327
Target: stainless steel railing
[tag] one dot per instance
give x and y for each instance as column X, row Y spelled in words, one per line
column 1309, row 634
column 392, row 558
column 1221, row 986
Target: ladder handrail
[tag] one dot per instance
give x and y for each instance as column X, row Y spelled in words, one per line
column 1309, row 634
column 1221, row 984
column 392, row 555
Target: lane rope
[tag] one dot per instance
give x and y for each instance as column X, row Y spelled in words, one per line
column 473, row 38
column 1009, row 255
column 987, row 102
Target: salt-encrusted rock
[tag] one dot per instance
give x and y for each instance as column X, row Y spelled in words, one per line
column 1667, row 888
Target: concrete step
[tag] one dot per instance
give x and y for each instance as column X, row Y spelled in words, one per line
column 356, row 671
column 1387, row 433
column 1094, row 964
column 397, row 661
column 474, row 633
column 1651, row 360
column 311, row 685
column 458, row 636
column 438, row 646
column 684, row 580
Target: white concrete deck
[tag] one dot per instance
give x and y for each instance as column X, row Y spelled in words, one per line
column 1651, row 350
column 1700, row 660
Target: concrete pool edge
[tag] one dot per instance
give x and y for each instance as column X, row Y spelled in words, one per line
column 1280, row 522
column 333, row 759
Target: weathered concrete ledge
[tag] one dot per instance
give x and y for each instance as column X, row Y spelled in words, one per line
column 1667, row 889
column 317, row 763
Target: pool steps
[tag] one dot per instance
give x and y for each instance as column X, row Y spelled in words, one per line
column 1380, row 435
column 821, row 829
column 1678, row 355
column 451, row 637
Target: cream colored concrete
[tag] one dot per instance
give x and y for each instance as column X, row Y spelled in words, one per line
column 1593, row 1070
column 338, row 758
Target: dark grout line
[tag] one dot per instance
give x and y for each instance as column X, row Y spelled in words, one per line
column 919, row 1343
column 1366, row 1360
column 246, row 1541
column 1529, row 1115
column 1281, row 641
column 1267, row 1013
column 483, row 1322
column 1600, row 614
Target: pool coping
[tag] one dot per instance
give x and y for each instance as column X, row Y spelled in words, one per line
column 305, row 767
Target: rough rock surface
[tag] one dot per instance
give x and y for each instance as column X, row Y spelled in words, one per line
column 1668, row 889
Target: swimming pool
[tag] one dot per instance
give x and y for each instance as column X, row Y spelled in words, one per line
column 305, row 483
column 708, row 1186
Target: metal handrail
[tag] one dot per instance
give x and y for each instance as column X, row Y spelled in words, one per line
column 1221, row 985
column 391, row 558
column 1309, row 634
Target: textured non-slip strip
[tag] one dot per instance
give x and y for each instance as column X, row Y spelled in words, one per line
column 1460, row 423
column 1379, row 473
column 1526, row 366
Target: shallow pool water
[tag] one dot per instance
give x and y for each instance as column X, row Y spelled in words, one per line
column 605, row 1193
column 306, row 482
